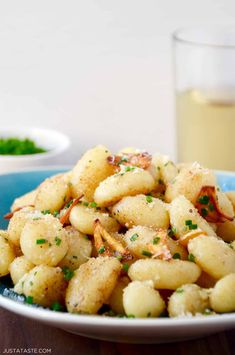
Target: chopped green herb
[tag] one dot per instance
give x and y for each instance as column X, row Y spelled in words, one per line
column 146, row 253
column 56, row 213
column 56, row 306
column 211, row 207
column 193, row 226
column 204, row 200
column 41, row 241
column 134, row 237
column 16, row 146
column 101, row 250
column 179, row 290
column 58, row 241
column 171, row 232
column 85, row 204
column 130, row 316
column 31, row 283
column 68, row 274
column 149, row 199
column 129, row 168
column 156, row 240
column 36, row 218
column 125, row 267
column 188, row 222
column 119, row 257
column 45, row 211
column 207, row 312
column 176, row 256
column 29, row 300
column 68, row 204
column 93, row 204
column 122, row 160
column 191, row 257
column 204, row 212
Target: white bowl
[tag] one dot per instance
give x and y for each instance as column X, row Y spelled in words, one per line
column 54, row 142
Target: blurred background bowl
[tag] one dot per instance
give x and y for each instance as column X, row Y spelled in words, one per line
column 55, row 143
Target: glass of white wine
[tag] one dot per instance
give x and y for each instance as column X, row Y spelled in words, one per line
column 205, row 95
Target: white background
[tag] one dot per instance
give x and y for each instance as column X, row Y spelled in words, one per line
column 100, row 71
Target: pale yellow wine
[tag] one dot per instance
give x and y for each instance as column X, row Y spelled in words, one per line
column 206, row 128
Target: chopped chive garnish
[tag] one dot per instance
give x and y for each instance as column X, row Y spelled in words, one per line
column 93, row 204
column 207, row 312
column 179, row 290
column 146, row 253
column 134, row 237
column 56, row 306
column 68, row 204
column 125, row 267
column 29, row 300
column 176, row 256
column 211, row 207
column 192, row 226
column 58, row 241
column 130, row 316
column 85, row 204
column 45, row 211
column 188, row 222
column 204, row 200
column 129, row 168
column 149, row 199
column 68, row 274
column 204, row 212
column 156, row 240
column 171, row 232
column 41, row 241
column 191, row 257
column 101, row 250
column 56, row 213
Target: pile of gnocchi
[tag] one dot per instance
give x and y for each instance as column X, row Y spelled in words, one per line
column 126, row 235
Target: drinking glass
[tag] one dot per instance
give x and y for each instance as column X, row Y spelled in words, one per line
column 205, row 95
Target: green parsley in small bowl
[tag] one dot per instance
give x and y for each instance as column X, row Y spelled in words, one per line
column 29, row 147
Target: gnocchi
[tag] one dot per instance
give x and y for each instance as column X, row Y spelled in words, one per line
column 126, row 235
